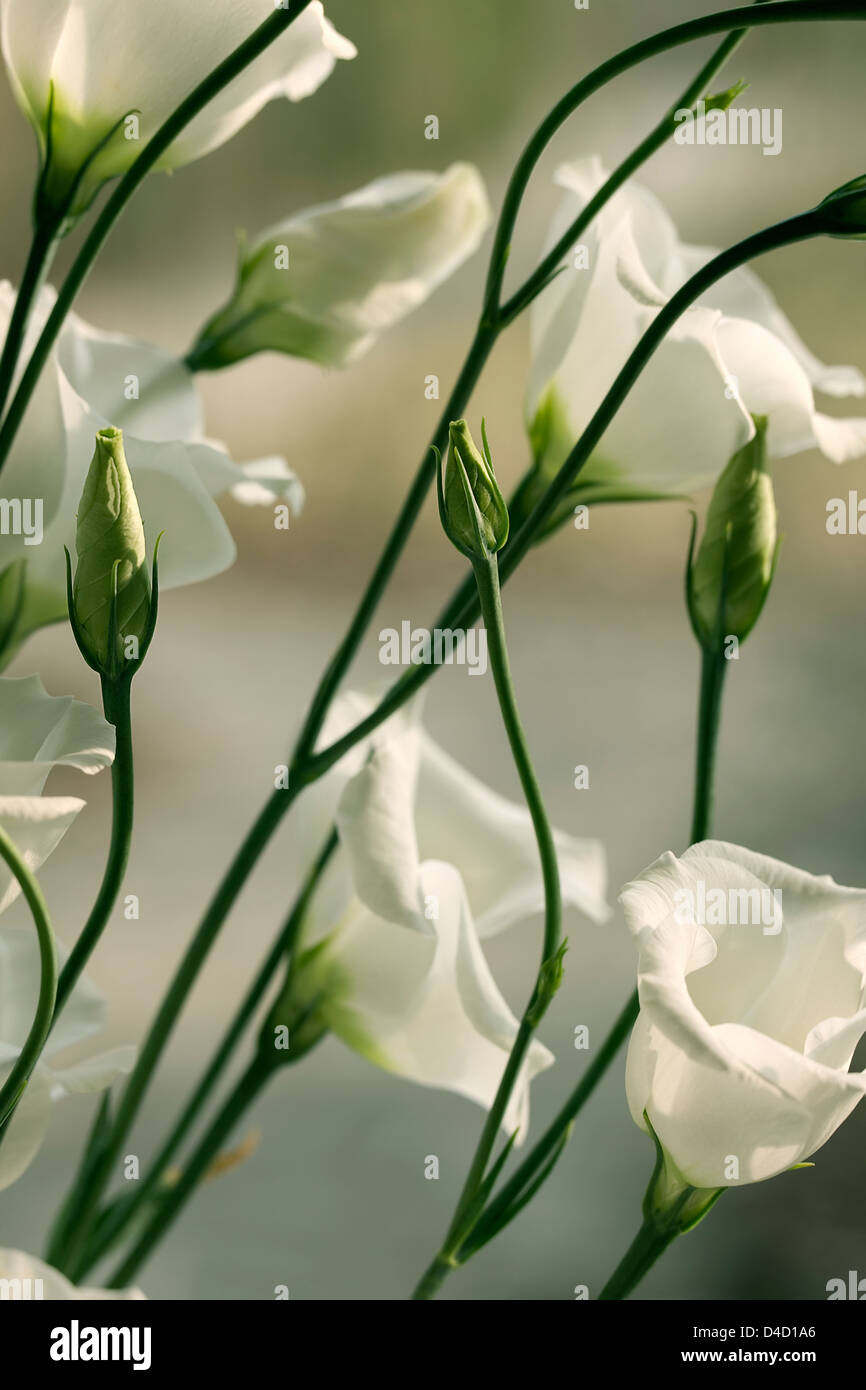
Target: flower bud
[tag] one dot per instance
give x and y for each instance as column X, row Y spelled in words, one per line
column 471, row 506
column 843, row 212
column 111, row 595
column 730, row 579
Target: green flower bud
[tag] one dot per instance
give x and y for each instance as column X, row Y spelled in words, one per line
column 843, row 213
column 731, row 576
column 111, row 595
column 471, row 506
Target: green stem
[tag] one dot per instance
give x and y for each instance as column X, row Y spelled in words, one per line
column 247, row 1089
column 116, row 703
column 167, row 1015
column 713, row 669
column 282, row 947
column 649, row 1243
column 499, row 1212
column 46, row 238
column 16, row 1081
column 168, row 132
column 487, row 579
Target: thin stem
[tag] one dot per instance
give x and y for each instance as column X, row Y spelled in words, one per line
column 282, row 947
column 46, row 238
column 16, row 1081
column 496, row 1214
column 168, row 132
column 247, row 1089
column 486, row 574
column 167, row 1015
column 116, row 702
column 649, row 1243
column 713, row 670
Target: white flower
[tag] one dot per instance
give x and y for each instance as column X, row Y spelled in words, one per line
column 39, row 732
column 107, row 59
column 727, row 359
column 328, row 281
column 399, row 972
column 751, row 982
column 25, row 1278
column 97, row 379
column 82, row 1016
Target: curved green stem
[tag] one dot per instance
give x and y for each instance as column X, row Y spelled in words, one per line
column 16, row 1081
column 168, row 132
column 487, row 579
column 46, row 238
column 282, row 947
column 116, row 702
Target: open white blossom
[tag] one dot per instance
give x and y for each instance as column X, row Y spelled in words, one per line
column 107, row 73
column 398, row 971
column 732, row 356
column 325, row 283
column 751, row 980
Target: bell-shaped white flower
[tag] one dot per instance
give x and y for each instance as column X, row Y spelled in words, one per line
column 24, row 1278
column 39, row 732
column 88, row 66
column 751, row 982
column 421, row 1004
column 431, row 807
column 325, row 283
column 727, row 359
column 97, row 379
column 82, row 1017
column 391, row 955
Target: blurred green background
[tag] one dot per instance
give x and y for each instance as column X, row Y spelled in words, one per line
column 335, row 1204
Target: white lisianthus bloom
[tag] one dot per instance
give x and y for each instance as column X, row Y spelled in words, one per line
column 726, row 360
column 83, row 1015
column 39, row 732
column 105, row 60
column 94, row 380
column 328, row 281
column 390, row 956
column 24, row 1278
column 751, row 982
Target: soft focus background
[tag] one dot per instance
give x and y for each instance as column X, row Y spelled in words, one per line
column 334, row 1204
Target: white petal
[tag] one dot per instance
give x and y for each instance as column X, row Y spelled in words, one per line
column 39, row 731
column 427, row 1007
column 36, row 824
column 742, row 295
column 107, row 369
column 490, row 838
column 95, row 1074
column 357, row 266
column 107, row 59
column 16, row 1265
column 27, row 1128
column 376, row 825
column 83, row 1015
